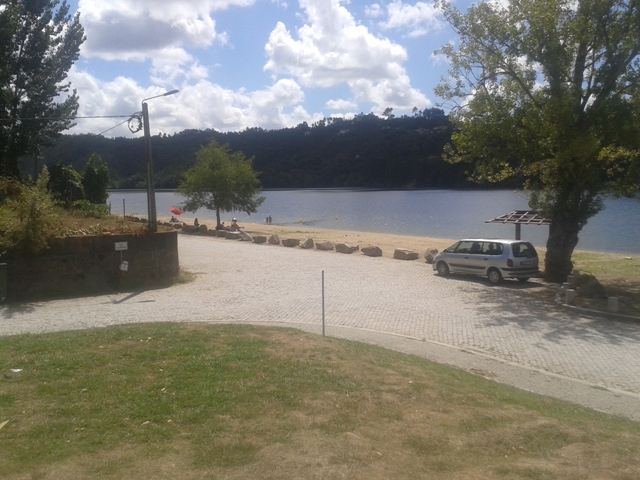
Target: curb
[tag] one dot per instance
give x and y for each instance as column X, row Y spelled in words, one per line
column 596, row 313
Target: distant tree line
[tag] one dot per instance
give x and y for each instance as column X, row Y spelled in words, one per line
column 367, row 152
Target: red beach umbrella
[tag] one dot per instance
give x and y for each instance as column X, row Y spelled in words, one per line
column 176, row 211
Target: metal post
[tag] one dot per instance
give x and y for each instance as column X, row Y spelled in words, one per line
column 151, row 194
column 323, row 303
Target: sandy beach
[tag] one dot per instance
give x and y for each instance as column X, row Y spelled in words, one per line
column 386, row 242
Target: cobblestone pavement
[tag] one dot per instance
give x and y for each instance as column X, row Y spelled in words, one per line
column 504, row 332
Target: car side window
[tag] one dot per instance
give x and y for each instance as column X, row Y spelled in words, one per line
column 464, row 247
column 492, row 248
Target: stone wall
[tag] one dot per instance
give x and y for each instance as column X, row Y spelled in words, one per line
column 87, row 265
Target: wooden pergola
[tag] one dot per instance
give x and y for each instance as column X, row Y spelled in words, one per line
column 519, row 218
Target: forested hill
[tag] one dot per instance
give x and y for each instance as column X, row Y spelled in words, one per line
column 366, row 151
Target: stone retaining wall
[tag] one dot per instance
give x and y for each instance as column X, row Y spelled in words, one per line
column 86, row 265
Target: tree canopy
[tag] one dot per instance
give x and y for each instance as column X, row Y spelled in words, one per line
column 221, row 180
column 65, row 184
column 365, row 151
column 39, row 42
column 548, row 91
column 95, row 180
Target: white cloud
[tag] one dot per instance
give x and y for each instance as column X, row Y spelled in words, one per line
column 374, row 10
column 331, row 48
column 150, row 29
column 341, row 105
column 418, row 19
column 198, row 106
column 396, row 93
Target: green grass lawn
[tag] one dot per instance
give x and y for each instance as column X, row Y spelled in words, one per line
column 195, row 401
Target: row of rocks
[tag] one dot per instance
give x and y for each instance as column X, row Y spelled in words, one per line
column 370, row 251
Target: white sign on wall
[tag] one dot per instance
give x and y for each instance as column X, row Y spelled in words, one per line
column 121, row 246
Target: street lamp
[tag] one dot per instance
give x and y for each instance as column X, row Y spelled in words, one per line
column 151, row 194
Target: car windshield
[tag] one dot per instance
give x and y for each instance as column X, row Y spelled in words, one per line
column 452, row 248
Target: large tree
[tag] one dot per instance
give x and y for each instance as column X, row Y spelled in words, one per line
column 39, row 42
column 548, row 91
column 221, row 180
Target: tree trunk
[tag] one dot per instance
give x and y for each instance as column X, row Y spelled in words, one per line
column 563, row 238
column 217, row 217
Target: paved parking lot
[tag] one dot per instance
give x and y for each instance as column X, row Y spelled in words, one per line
column 501, row 332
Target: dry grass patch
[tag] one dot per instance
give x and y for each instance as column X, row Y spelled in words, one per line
column 198, row 401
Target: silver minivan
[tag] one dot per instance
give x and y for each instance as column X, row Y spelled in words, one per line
column 490, row 257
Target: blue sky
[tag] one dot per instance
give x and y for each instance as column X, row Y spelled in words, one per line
column 254, row 63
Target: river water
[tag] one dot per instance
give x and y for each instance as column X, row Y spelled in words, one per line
column 434, row 213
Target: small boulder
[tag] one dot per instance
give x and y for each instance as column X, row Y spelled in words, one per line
column 324, row 245
column 177, row 226
column 244, row 236
column 344, row 248
column 203, row 229
column 402, row 254
column 274, row 240
column 188, row 228
column 429, row 254
column 308, row 243
column 212, row 233
column 232, row 235
column 372, row 251
column 290, row 242
column 221, row 233
column 259, row 239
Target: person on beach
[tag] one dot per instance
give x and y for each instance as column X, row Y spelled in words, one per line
column 234, row 226
column 222, row 226
column 195, row 223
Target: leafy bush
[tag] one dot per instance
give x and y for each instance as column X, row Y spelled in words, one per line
column 85, row 208
column 65, row 184
column 30, row 216
column 95, row 180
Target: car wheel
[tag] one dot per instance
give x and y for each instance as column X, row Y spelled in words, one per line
column 443, row 269
column 523, row 280
column 495, row 276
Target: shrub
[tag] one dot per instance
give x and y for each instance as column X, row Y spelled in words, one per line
column 85, row 208
column 31, row 216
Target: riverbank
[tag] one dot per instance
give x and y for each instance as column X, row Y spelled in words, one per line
column 385, row 241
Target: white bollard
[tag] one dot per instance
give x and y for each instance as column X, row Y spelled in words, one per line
column 565, row 286
column 570, row 297
column 571, row 279
column 612, row 304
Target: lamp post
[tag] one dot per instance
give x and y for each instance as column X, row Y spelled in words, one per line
column 151, row 193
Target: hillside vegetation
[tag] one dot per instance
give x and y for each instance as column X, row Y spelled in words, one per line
column 366, row 151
